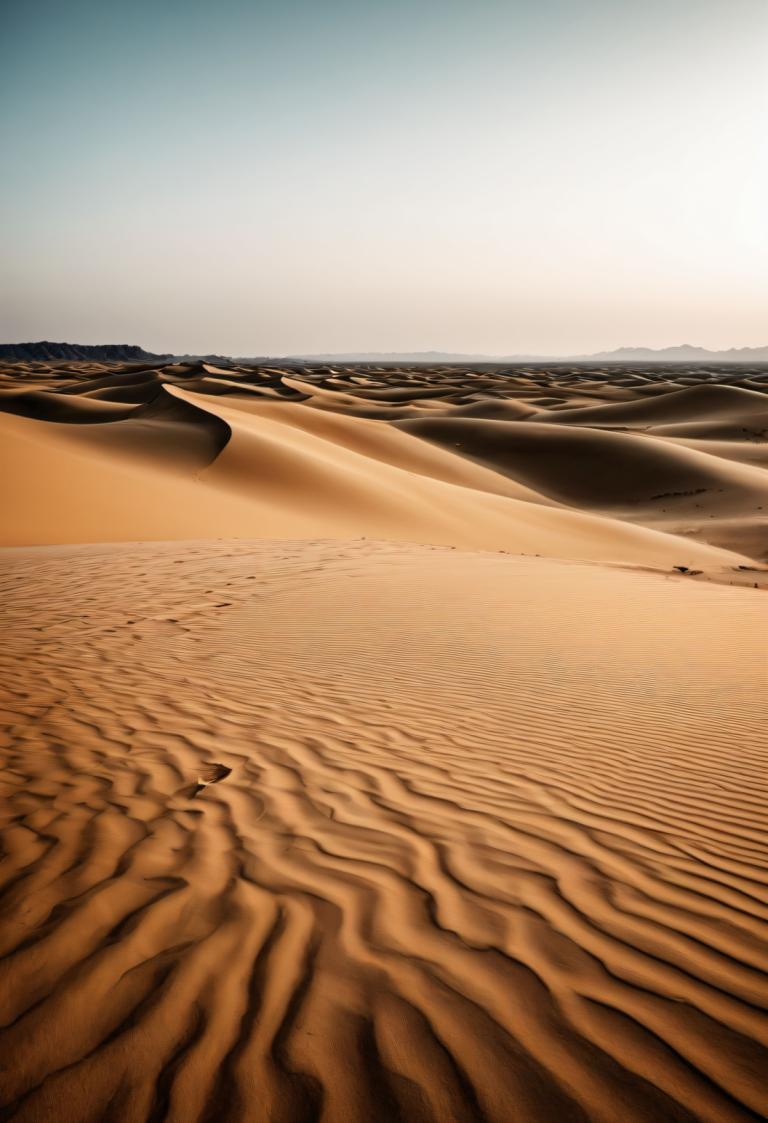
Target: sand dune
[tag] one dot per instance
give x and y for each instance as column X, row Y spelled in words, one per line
column 370, row 754
column 381, row 443
column 496, row 410
column 634, row 476
column 82, row 483
column 692, row 406
column 744, row 452
column 41, row 405
column 493, row 863
column 191, row 450
column 598, row 469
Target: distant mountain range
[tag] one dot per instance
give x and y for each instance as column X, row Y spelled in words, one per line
column 682, row 354
column 74, row 352
column 124, row 352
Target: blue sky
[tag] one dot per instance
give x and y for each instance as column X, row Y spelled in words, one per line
column 267, row 178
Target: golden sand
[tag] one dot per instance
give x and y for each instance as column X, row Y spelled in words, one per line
column 492, row 842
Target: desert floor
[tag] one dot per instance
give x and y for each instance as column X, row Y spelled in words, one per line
column 489, row 838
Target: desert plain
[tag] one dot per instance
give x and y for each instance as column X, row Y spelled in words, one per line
column 383, row 743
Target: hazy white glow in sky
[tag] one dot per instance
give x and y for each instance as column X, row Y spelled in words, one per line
column 496, row 176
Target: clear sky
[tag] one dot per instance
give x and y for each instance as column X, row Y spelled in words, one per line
column 496, row 176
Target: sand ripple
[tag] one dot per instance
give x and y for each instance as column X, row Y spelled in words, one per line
column 492, row 846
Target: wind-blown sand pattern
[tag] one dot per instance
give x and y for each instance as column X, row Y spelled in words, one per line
column 492, row 845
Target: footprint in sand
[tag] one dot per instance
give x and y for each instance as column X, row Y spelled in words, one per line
column 207, row 775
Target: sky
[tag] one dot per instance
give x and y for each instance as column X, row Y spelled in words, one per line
column 483, row 176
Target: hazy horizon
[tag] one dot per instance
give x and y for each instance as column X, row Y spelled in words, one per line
column 400, row 354
column 501, row 178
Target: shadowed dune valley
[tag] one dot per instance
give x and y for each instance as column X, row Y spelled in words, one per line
column 383, row 742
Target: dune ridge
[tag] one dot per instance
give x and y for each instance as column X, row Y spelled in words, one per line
column 506, row 459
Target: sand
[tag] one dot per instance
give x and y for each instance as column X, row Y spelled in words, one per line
column 645, row 473
column 354, row 772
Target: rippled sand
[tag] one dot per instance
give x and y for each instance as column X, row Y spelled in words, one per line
column 492, row 846
column 383, row 745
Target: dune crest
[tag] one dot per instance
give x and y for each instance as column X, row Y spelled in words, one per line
column 505, row 460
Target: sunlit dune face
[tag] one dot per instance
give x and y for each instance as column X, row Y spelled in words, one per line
column 648, row 465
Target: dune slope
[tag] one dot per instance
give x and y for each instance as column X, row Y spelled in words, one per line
column 656, row 467
column 596, row 469
column 274, row 478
